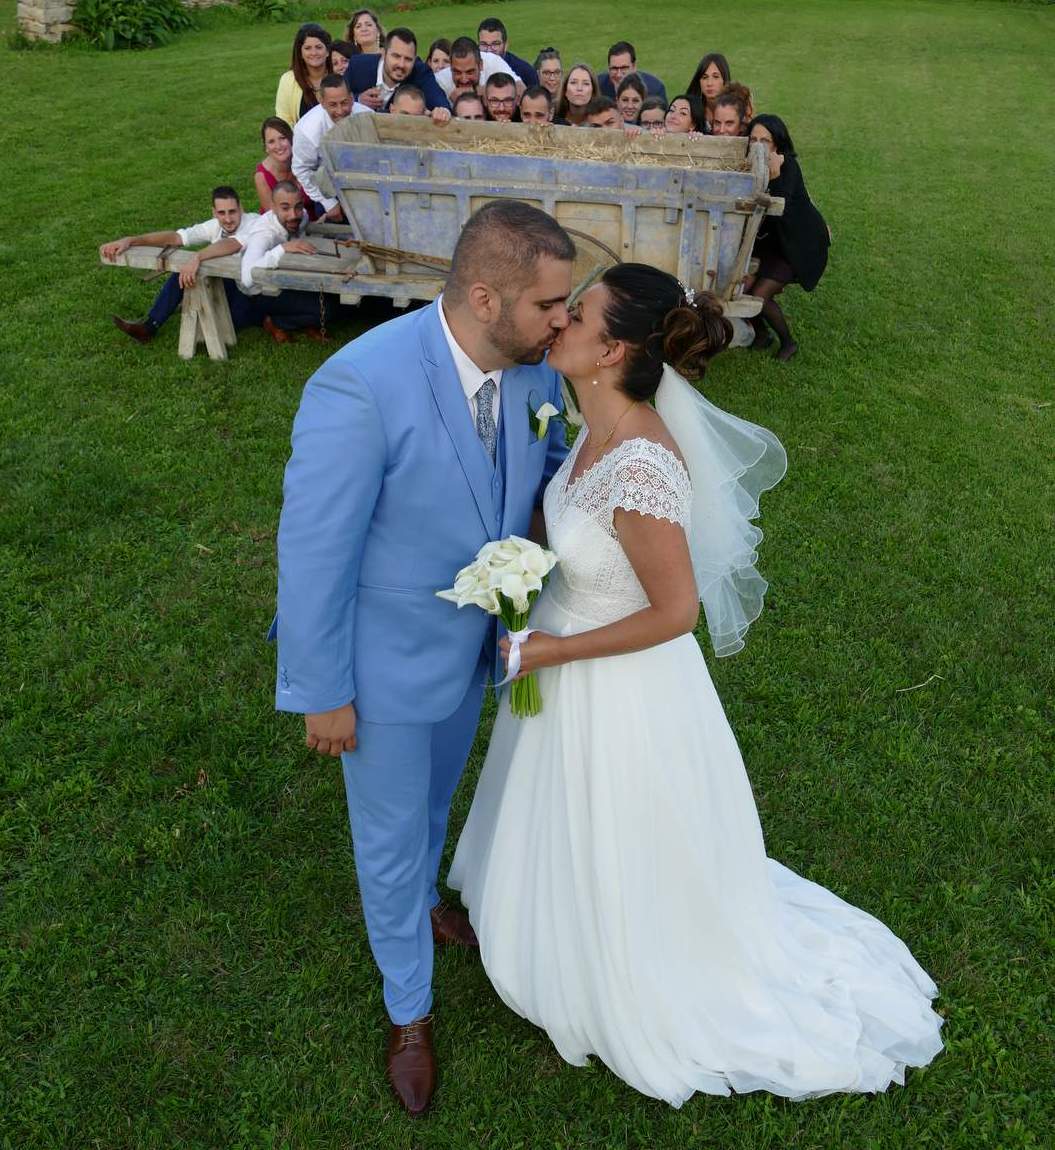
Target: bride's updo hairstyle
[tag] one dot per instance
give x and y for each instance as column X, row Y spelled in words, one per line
column 648, row 310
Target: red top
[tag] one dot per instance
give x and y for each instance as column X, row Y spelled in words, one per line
column 272, row 180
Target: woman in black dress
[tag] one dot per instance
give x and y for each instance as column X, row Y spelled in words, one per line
column 791, row 248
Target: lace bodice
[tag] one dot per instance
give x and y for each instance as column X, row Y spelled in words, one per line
column 593, row 579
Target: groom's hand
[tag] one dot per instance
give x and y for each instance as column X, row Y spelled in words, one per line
column 331, row 732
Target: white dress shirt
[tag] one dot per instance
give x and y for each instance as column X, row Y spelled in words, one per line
column 307, row 157
column 386, row 90
column 491, row 65
column 262, row 248
column 469, row 375
column 307, row 135
column 211, row 232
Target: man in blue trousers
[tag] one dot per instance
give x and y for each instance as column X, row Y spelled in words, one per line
column 224, row 235
column 412, row 448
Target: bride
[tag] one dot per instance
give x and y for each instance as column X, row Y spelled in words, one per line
column 612, row 862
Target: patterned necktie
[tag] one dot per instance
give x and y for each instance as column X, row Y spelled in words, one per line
column 485, row 417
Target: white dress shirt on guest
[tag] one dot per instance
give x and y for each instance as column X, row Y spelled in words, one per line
column 262, row 248
column 210, row 231
column 469, row 375
column 307, row 135
column 491, row 66
column 386, row 90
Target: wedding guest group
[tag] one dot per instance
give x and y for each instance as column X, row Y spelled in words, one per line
column 374, row 71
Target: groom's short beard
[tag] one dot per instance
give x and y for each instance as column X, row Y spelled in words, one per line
column 507, row 339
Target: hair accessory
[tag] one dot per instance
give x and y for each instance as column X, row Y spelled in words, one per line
column 690, row 293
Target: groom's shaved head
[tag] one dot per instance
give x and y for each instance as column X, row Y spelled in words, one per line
column 501, row 245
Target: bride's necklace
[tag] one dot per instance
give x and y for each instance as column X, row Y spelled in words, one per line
column 608, row 438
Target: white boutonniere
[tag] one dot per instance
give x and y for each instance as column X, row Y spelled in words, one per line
column 539, row 419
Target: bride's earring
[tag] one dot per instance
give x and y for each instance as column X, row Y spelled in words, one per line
column 594, row 381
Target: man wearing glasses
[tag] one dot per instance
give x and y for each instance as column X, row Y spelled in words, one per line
column 500, row 97
column 550, row 72
column 622, row 60
column 492, row 37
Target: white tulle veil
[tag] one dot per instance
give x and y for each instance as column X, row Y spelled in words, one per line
column 730, row 462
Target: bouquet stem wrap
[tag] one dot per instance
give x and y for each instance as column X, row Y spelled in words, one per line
column 525, row 699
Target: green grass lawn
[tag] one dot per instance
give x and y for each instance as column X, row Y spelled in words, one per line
column 182, row 958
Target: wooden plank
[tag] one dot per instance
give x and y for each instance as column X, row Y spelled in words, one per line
column 274, row 280
column 227, row 267
column 467, row 135
column 747, row 243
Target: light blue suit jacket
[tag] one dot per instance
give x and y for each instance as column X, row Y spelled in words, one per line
column 388, row 493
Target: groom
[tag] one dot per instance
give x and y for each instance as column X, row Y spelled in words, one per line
column 412, row 448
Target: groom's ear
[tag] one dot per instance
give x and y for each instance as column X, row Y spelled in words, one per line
column 484, row 302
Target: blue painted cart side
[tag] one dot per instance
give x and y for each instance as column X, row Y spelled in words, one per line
column 693, row 210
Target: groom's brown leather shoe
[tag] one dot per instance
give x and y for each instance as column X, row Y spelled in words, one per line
column 451, row 927
column 411, row 1065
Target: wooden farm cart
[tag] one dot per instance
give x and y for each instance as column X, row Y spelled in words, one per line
column 691, row 207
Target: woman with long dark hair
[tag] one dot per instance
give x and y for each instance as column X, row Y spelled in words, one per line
column 613, row 862
column 579, row 88
column 298, row 87
column 711, row 75
column 791, row 247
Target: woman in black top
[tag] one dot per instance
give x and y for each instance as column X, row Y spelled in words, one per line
column 791, row 248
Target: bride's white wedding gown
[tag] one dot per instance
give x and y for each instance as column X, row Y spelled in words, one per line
column 614, row 869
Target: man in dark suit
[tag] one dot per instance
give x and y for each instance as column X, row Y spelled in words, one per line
column 622, row 60
column 492, row 37
column 373, row 77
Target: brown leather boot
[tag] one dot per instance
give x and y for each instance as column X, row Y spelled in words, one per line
column 410, row 1064
column 451, row 927
column 140, row 332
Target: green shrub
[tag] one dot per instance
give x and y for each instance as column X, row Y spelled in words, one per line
column 131, row 23
column 265, row 10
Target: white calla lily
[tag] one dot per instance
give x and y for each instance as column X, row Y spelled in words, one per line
column 544, row 414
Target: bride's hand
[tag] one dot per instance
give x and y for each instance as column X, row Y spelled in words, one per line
column 538, row 650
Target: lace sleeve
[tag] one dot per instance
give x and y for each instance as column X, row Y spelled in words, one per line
column 651, row 480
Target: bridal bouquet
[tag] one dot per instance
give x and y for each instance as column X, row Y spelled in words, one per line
column 505, row 579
